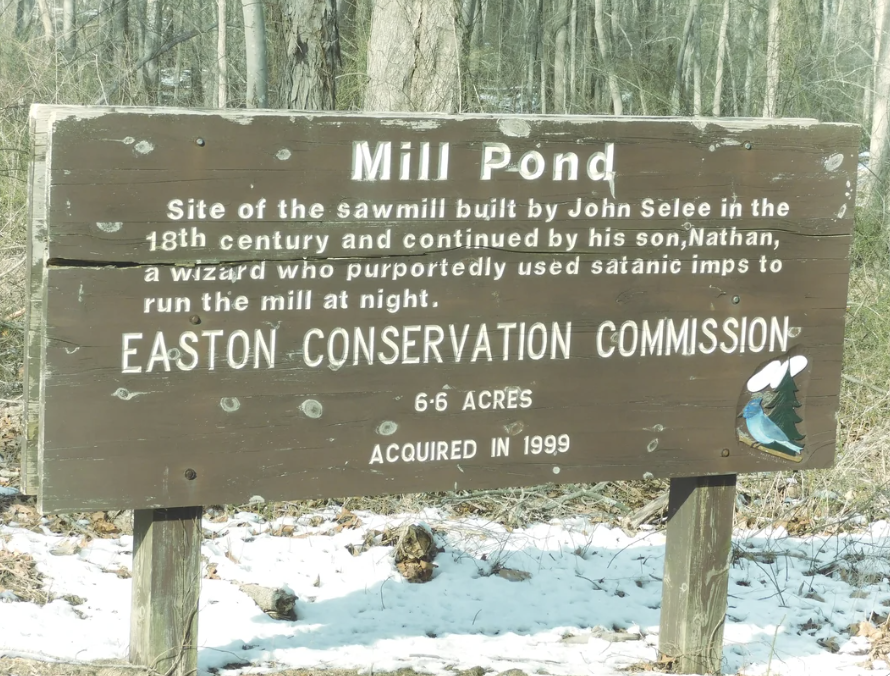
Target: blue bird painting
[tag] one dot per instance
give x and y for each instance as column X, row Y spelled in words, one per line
column 765, row 431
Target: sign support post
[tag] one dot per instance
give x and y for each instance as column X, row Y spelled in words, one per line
column 696, row 572
column 166, row 587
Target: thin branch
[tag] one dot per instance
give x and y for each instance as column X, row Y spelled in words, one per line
column 862, row 383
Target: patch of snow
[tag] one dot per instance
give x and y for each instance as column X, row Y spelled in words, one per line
column 590, row 604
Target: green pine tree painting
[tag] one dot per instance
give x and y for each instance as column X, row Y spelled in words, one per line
column 782, row 407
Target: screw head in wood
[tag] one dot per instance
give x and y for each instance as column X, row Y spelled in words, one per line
column 725, row 452
column 195, row 319
column 191, row 474
column 200, row 142
column 736, row 300
column 747, row 145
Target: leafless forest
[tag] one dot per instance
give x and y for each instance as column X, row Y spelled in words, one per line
column 825, row 59
column 776, row 58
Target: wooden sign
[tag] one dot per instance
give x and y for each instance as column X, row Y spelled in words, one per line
column 234, row 304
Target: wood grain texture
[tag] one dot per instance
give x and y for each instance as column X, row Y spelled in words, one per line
column 128, row 408
column 166, row 587
column 696, row 572
column 36, row 317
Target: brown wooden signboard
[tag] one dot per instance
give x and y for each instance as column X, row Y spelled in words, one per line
column 235, row 304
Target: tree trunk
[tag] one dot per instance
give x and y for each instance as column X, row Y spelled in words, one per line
column 573, row 54
column 222, row 64
column 412, row 57
column 150, row 42
column 479, row 23
column 468, row 25
column 771, row 98
column 604, row 40
column 880, row 119
column 721, row 56
column 120, row 31
column 178, row 20
column 732, row 80
column 106, row 28
column 682, row 63
column 113, row 15
column 69, row 36
column 878, row 9
column 542, row 62
column 47, row 20
column 256, row 95
column 749, row 61
column 468, row 12
column 560, row 49
column 313, row 55
column 697, row 108
column 346, row 19
column 534, row 49
column 24, row 13
column 138, row 33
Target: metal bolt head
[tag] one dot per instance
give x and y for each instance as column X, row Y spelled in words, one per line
column 200, row 141
column 725, row 452
column 191, row 474
column 747, row 145
column 736, row 300
column 195, row 319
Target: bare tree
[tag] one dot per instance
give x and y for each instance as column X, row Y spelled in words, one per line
column 880, row 118
column 750, row 43
column 534, row 47
column 542, row 61
column 24, row 15
column 257, row 94
column 604, row 40
column 222, row 64
column 69, row 34
column 771, row 99
column 47, row 20
column 120, row 30
column 695, row 47
column 413, row 56
column 868, row 89
column 560, row 52
column 573, row 51
column 308, row 79
column 721, row 57
column 114, row 24
column 151, row 40
column 685, row 54
column 468, row 11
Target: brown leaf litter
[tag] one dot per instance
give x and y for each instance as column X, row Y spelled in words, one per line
column 19, row 575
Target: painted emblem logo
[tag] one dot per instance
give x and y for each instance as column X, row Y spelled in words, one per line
column 770, row 418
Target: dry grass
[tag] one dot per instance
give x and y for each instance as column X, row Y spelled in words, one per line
column 13, row 205
column 513, row 507
column 38, row 667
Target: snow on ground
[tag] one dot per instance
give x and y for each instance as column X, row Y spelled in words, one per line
column 590, row 605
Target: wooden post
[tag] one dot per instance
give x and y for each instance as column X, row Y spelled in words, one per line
column 166, row 586
column 696, row 572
